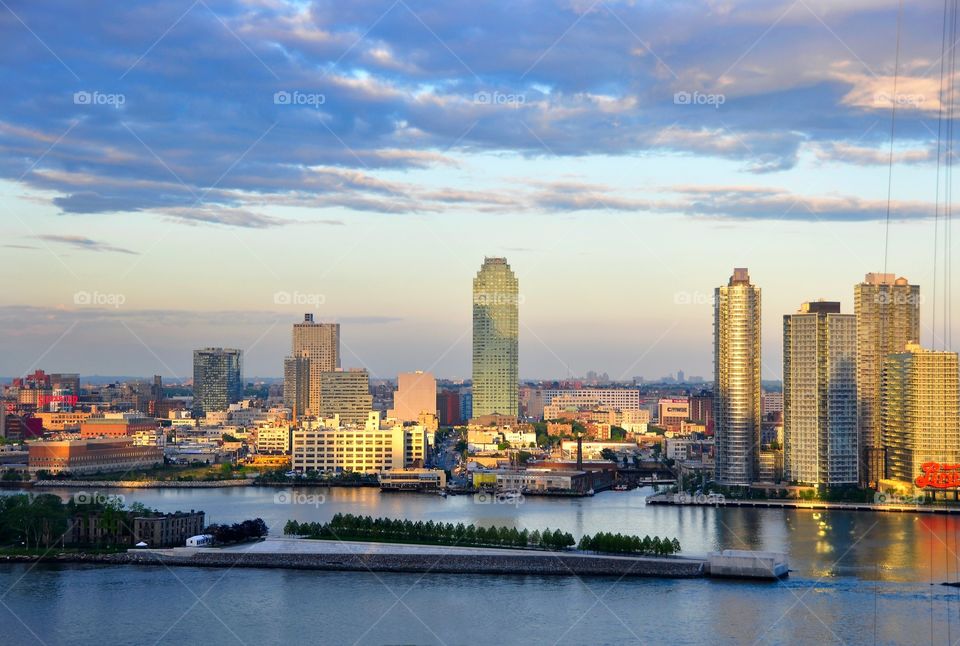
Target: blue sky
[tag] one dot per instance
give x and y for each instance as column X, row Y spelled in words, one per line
column 182, row 174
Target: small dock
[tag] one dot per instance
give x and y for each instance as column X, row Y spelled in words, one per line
column 747, row 564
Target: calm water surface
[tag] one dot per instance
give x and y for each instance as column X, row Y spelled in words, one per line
column 858, row 578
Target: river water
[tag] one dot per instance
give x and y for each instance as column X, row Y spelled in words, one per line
column 857, row 578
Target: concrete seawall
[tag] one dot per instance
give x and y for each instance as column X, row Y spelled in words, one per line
column 499, row 562
column 523, row 564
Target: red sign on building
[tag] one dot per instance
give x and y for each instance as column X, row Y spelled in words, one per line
column 939, row 476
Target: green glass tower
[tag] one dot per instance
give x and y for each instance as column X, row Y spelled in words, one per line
column 217, row 379
column 496, row 300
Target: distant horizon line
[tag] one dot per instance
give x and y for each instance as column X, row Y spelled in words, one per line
column 524, row 380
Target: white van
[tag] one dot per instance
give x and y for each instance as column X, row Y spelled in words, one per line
column 201, row 540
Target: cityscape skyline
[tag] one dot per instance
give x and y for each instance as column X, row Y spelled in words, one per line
column 334, row 322
column 271, row 328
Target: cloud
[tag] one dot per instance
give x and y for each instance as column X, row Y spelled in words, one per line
column 864, row 156
column 368, row 320
column 733, row 202
column 51, row 318
column 81, row 242
column 230, row 217
column 315, row 103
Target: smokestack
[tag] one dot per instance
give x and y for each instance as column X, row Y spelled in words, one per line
column 579, row 452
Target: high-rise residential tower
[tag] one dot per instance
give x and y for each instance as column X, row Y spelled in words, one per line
column 736, row 364
column 888, row 318
column 217, row 379
column 919, row 416
column 496, row 296
column 319, row 345
column 820, row 395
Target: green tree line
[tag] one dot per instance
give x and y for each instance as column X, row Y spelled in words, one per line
column 42, row 520
column 389, row 530
column 626, row 544
column 238, row 532
column 32, row 521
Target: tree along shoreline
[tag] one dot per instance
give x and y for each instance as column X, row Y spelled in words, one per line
column 348, row 527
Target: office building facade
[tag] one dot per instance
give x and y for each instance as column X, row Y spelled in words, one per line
column 217, row 379
column 370, row 450
column 319, row 345
column 346, row 393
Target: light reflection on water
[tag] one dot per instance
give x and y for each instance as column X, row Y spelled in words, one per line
column 902, row 547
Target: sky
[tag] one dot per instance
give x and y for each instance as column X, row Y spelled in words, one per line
column 183, row 174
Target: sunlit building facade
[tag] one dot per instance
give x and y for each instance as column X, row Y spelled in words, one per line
column 375, row 448
column 91, row 455
column 346, row 393
column 319, row 345
column 672, row 412
column 820, row 395
column 496, row 297
column 888, row 318
column 416, row 393
column 737, row 379
column 919, row 417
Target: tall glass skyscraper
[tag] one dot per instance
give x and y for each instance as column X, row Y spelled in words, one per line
column 820, row 395
column 888, row 318
column 496, row 300
column 736, row 367
column 217, row 379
